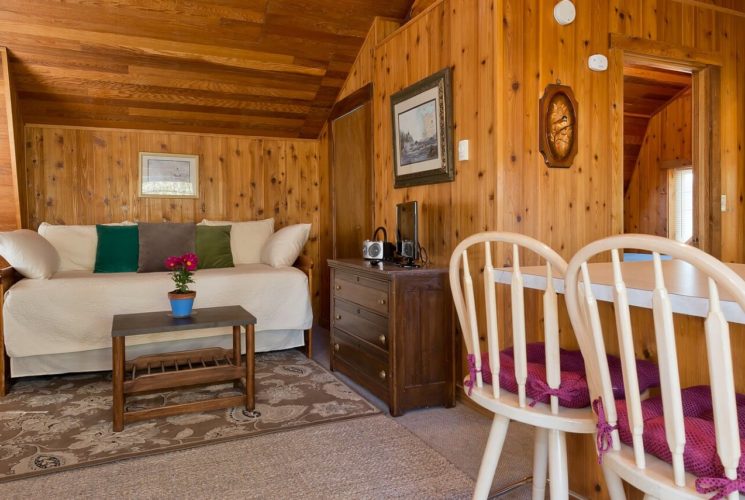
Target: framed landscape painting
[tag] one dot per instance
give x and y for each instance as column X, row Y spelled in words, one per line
column 422, row 132
column 165, row 175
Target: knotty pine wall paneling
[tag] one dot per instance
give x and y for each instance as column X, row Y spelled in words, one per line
column 12, row 198
column 90, row 176
column 361, row 72
column 668, row 139
column 503, row 54
column 326, row 243
column 8, row 208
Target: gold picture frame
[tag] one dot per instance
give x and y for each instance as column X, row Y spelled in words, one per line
column 166, row 175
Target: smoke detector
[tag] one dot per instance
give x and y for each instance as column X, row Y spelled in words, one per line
column 564, row 12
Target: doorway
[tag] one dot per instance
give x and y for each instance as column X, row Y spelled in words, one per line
column 658, row 152
column 631, row 54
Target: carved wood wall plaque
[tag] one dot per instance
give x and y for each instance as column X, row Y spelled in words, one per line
column 558, row 126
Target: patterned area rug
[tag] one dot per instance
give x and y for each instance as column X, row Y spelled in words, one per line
column 55, row 423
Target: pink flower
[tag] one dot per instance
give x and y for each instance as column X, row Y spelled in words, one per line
column 190, row 261
column 173, row 262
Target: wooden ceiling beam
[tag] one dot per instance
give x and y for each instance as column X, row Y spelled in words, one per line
column 111, row 121
column 170, row 96
column 37, row 99
column 50, row 76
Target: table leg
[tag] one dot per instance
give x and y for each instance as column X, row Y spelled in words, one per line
column 237, row 351
column 117, row 378
column 237, row 345
column 250, row 369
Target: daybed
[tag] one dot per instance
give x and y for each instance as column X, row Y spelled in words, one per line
column 63, row 324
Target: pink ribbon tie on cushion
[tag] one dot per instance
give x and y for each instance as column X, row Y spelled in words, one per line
column 721, row 486
column 472, row 371
column 565, row 393
column 605, row 430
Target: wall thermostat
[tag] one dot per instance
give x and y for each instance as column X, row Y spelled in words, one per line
column 564, row 12
column 598, row 62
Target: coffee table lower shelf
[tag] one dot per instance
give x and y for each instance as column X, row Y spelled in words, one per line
column 147, row 374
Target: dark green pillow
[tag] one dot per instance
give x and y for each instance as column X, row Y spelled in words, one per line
column 118, row 249
column 213, row 247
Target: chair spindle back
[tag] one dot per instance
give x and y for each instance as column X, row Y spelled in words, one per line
column 465, row 305
column 583, row 310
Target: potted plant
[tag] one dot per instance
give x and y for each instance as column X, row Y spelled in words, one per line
column 182, row 299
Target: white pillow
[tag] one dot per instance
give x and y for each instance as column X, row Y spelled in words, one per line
column 76, row 245
column 30, row 254
column 246, row 238
column 283, row 247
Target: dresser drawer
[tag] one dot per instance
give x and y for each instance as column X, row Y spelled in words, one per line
column 366, row 292
column 361, row 323
column 370, row 363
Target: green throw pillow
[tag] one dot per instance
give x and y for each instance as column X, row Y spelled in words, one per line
column 213, row 247
column 118, row 249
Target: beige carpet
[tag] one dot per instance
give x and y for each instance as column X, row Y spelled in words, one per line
column 369, row 457
column 52, row 423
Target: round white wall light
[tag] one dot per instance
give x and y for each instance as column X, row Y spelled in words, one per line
column 597, row 62
column 564, row 12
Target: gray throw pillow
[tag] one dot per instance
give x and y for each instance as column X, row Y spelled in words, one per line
column 158, row 241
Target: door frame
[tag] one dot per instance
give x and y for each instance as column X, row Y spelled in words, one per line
column 704, row 68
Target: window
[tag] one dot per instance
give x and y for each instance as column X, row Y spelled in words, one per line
column 681, row 204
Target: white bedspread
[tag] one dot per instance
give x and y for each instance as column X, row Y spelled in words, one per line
column 72, row 312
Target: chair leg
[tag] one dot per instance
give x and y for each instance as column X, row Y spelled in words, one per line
column 540, row 463
column 614, row 483
column 557, row 465
column 491, row 456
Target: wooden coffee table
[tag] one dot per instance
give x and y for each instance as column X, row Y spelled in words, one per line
column 172, row 370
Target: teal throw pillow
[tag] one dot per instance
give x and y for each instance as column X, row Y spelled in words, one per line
column 213, row 247
column 118, row 249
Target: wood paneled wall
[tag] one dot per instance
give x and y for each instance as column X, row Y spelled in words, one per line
column 503, row 54
column 8, row 208
column 89, row 176
column 361, row 72
column 12, row 199
column 666, row 142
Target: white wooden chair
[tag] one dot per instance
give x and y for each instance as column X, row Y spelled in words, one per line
column 655, row 477
column 551, row 421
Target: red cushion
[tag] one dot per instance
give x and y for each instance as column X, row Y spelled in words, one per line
column 574, row 392
column 700, row 454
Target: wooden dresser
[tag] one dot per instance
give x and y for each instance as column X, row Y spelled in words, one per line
column 392, row 332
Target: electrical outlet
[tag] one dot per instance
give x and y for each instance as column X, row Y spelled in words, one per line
column 463, row 150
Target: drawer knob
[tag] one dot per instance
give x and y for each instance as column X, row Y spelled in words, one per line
column 381, row 302
column 382, row 374
column 338, row 316
column 382, row 339
column 338, row 287
column 336, row 347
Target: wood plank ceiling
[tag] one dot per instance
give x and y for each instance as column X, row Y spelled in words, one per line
column 645, row 92
column 250, row 67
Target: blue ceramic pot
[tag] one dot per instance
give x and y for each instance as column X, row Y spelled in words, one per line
column 181, row 303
